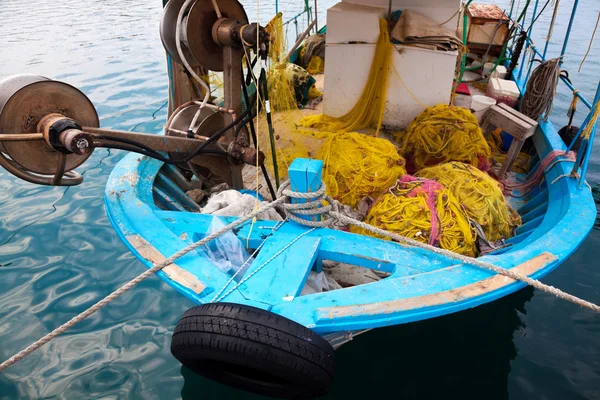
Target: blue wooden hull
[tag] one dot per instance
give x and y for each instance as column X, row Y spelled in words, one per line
column 557, row 217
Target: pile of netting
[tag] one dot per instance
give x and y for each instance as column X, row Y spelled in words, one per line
column 423, row 210
column 312, row 54
column 479, row 194
column 357, row 165
column 436, row 206
column 289, row 84
column 443, row 133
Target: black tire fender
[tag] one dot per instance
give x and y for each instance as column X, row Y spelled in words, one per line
column 254, row 350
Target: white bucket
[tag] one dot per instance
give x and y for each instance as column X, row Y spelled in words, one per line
column 480, row 104
column 487, row 69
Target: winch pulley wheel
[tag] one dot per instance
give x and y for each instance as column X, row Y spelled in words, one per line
column 49, row 128
column 25, row 100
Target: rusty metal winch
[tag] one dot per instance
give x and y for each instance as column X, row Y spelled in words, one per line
column 49, row 128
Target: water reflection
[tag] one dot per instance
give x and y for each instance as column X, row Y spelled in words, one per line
column 464, row 356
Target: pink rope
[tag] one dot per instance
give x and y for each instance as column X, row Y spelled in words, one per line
column 430, row 189
column 538, row 174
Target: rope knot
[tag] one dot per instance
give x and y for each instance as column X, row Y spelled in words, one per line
column 314, row 206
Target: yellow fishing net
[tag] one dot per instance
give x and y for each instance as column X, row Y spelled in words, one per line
column 277, row 43
column 443, row 133
column 368, row 111
column 314, row 93
column 357, row 165
column 282, row 79
column 294, row 140
column 316, row 65
column 281, row 73
column 495, row 141
column 521, row 164
column 423, row 210
column 479, row 194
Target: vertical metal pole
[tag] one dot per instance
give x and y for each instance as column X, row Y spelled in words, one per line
column 529, row 33
column 307, row 10
column 276, row 6
column 586, row 159
column 512, row 5
column 232, row 92
column 316, row 18
column 590, row 142
column 568, row 34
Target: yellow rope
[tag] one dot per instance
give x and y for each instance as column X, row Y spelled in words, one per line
column 573, row 105
column 588, row 129
column 415, row 98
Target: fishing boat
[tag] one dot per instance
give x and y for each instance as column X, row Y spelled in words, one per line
column 281, row 283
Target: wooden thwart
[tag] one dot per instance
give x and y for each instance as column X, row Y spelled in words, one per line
column 173, row 271
column 448, row 297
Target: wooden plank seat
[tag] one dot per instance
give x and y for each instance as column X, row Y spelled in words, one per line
column 518, row 125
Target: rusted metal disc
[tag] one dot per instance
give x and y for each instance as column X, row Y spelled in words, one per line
column 200, row 22
column 181, row 122
column 211, row 123
column 24, row 101
column 168, row 26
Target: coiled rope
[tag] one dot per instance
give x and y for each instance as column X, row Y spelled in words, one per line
column 541, row 90
column 295, row 212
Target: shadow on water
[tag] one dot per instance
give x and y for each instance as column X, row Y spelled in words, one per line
column 464, row 355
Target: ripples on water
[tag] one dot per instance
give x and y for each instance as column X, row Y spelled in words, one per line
column 59, row 254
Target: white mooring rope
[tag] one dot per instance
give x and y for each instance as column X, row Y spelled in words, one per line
column 157, row 267
column 330, row 214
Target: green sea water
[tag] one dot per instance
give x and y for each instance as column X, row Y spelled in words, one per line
column 59, row 253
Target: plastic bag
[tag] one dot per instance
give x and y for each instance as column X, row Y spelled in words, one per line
column 235, row 204
column 315, row 283
column 226, row 252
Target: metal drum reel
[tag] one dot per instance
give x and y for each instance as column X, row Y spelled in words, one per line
column 198, row 45
column 24, row 101
column 213, row 34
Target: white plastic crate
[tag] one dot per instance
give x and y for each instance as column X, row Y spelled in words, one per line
column 503, row 91
column 353, row 23
column 438, row 10
column 427, row 74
